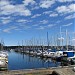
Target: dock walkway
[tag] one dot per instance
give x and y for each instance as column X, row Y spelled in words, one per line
column 64, row 71
column 49, row 71
column 27, row 72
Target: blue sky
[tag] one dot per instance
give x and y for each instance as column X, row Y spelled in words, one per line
column 27, row 19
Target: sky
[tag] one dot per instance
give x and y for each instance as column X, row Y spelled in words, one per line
column 32, row 19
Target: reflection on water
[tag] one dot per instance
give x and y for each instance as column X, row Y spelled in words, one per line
column 22, row 61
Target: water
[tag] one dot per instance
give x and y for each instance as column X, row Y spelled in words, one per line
column 18, row 61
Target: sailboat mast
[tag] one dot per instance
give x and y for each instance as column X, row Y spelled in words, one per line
column 74, row 40
column 47, row 40
column 60, row 38
column 2, row 44
column 66, row 39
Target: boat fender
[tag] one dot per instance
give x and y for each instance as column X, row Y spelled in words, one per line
column 74, row 69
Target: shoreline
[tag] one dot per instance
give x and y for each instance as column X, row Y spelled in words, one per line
column 40, row 71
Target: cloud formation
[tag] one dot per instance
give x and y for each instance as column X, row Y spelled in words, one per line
column 66, row 9
column 64, row 0
column 53, row 15
column 8, row 30
column 46, row 3
column 7, row 8
column 27, row 2
column 68, row 24
column 28, row 13
column 36, row 15
column 70, row 17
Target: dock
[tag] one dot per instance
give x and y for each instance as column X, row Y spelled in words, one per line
column 27, row 72
column 66, row 71
column 44, row 71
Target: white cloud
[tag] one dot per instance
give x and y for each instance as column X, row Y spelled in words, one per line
column 47, row 12
column 50, row 25
column 22, row 20
column 27, row 2
column 9, row 29
column 35, row 8
column 44, row 21
column 66, row 9
column 3, row 3
column 6, row 9
column 70, row 17
column 36, row 15
column 5, row 20
column 68, row 24
column 45, row 27
column 64, row 0
column 41, row 28
column 72, row 7
column 46, row 3
column 53, row 15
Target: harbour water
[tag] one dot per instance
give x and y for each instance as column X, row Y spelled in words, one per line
column 18, row 61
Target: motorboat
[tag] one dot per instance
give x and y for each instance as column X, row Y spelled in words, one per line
column 2, row 62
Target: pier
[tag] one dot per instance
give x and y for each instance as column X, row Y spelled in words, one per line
column 44, row 71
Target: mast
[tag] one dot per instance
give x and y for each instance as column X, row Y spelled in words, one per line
column 47, row 40
column 60, row 38
column 74, row 40
column 18, row 46
column 22, row 46
column 2, row 44
column 66, row 39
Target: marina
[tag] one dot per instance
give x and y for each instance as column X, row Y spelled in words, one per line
column 34, row 56
column 25, row 60
column 37, row 37
column 20, row 57
column 36, row 61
